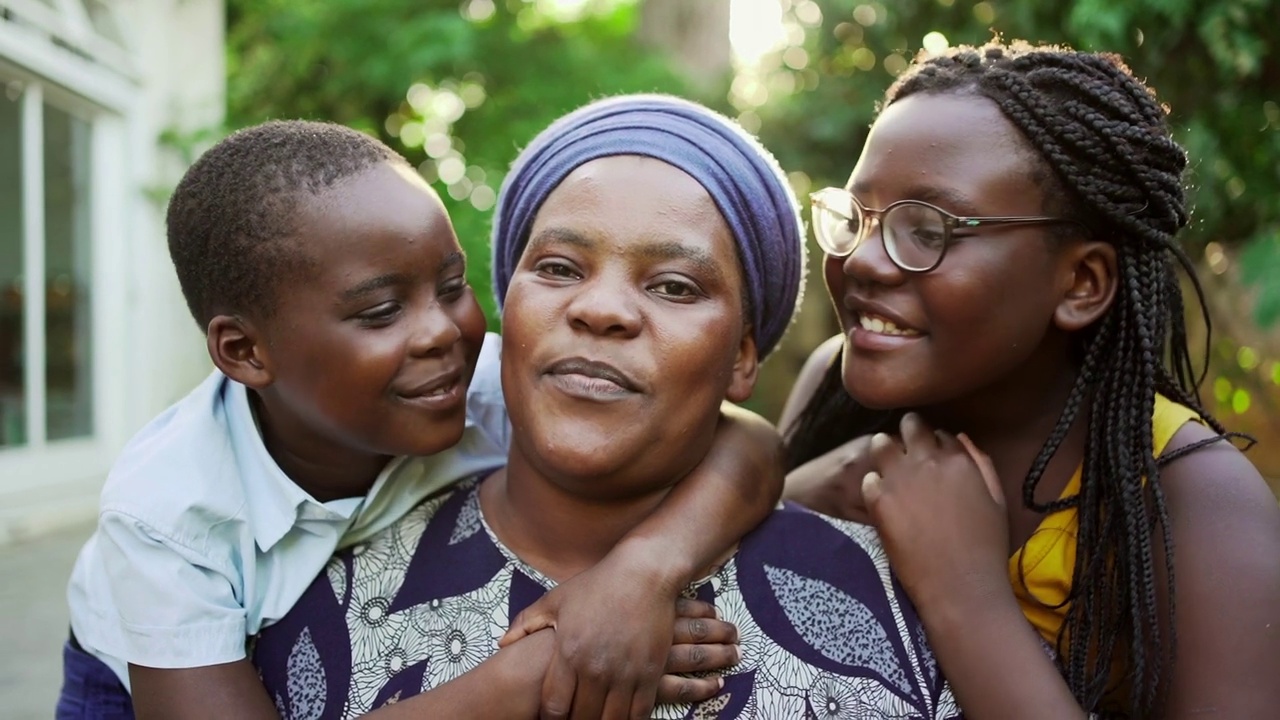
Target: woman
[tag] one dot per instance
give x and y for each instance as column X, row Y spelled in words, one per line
column 628, row 235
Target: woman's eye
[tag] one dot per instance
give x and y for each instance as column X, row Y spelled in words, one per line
column 554, row 268
column 674, row 289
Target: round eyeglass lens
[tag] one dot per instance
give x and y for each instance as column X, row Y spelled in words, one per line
column 837, row 222
column 915, row 235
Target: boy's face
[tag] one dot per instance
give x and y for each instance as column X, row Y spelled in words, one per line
column 623, row 329
column 373, row 344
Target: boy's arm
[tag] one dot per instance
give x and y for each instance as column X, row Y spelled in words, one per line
column 832, row 482
column 604, row 668
column 504, row 686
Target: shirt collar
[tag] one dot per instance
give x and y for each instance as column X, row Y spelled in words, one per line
column 274, row 502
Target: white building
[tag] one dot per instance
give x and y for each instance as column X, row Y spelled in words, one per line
column 94, row 336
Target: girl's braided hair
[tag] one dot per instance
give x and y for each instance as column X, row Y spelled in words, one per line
column 1109, row 160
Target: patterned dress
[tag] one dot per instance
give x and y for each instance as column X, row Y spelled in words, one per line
column 826, row 632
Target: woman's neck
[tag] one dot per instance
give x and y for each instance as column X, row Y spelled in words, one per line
column 558, row 533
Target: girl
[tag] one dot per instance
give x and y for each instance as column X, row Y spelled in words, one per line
column 1002, row 263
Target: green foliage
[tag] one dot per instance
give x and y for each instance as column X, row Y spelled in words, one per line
column 457, row 87
column 1213, row 61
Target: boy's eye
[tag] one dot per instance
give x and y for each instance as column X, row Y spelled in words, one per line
column 452, row 288
column 380, row 314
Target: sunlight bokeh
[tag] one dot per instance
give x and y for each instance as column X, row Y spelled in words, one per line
column 755, row 30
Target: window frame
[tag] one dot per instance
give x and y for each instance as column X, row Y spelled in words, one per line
column 106, row 98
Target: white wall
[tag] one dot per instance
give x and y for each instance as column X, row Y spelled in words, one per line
column 149, row 351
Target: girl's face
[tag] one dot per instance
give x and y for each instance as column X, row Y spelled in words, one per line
column 983, row 317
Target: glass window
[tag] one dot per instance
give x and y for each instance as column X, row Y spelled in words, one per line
column 46, row 320
column 12, row 372
column 67, row 279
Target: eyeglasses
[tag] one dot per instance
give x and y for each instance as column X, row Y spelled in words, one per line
column 915, row 234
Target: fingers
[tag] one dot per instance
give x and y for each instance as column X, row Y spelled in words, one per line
column 915, row 433
column 643, row 701
column 690, row 608
column 558, row 687
column 589, row 700
column 885, row 451
column 704, row 630
column 538, row 616
column 872, row 490
column 986, row 467
column 617, row 706
column 676, row 689
column 691, row 658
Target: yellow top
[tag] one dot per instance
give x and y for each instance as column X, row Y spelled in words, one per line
column 1049, row 556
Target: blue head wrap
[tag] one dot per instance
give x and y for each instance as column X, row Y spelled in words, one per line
column 740, row 175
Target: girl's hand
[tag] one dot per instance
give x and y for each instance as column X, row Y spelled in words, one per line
column 832, row 483
column 937, row 503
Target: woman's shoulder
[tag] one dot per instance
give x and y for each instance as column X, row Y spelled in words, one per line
column 822, row 611
column 798, row 557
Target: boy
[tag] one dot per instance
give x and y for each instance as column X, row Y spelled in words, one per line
column 332, row 292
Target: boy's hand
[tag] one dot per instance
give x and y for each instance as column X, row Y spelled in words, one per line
column 832, row 482
column 939, row 508
column 614, row 641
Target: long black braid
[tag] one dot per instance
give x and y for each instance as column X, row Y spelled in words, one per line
column 1111, row 162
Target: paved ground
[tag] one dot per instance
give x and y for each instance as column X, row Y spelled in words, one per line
column 33, row 621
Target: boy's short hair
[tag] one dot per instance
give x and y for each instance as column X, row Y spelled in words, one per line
column 232, row 220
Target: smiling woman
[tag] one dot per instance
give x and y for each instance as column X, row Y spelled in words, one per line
column 615, row 271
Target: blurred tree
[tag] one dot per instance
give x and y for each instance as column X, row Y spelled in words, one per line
column 457, row 86
column 694, row 35
column 1213, row 61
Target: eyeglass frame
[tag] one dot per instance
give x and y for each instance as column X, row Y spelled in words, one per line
column 950, row 221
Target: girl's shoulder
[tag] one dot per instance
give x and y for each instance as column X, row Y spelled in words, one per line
column 808, row 379
column 1225, row 524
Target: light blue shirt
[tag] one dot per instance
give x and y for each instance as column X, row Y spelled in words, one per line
column 202, row 540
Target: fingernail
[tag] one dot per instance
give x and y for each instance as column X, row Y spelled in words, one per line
column 719, row 683
column 737, row 654
column 717, row 611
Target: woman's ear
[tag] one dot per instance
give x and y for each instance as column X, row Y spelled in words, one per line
column 746, row 368
column 238, row 349
column 1091, row 278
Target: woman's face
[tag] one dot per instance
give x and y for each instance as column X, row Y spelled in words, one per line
column 919, row 340
column 623, row 329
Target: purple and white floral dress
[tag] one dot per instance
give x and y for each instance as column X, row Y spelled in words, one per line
column 826, row 632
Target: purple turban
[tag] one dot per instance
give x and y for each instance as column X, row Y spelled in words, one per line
column 740, row 175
